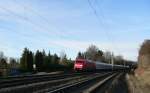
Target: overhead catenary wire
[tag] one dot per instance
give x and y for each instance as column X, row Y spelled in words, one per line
column 99, row 19
column 23, row 18
column 32, row 11
column 37, row 26
column 59, row 32
column 102, row 23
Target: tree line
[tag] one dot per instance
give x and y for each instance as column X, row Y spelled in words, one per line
column 36, row 62
column 40, row 61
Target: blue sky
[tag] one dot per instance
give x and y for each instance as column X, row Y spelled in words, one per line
column 71, row 26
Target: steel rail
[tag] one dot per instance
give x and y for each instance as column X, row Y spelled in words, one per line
column 78, row 83
column 100, row 83
column 29, row 80
column 40, row 85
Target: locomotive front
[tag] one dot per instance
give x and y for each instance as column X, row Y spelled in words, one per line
column 79, row 65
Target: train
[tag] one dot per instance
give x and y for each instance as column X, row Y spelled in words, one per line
column 89, row 65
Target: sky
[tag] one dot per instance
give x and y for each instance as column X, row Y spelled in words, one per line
column 71, row 26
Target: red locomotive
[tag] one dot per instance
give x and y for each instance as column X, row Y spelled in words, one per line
column 83, row 64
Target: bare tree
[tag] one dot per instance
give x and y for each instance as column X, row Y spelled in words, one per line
column 1, row 55
column 119, row 57
column 93, row 53
column 119, row 60
column 62, row 55
column 107, row 56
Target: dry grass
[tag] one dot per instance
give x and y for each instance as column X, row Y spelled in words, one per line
column 145, row 78
column 144, row 55
column 138, row 84
column 141, row 83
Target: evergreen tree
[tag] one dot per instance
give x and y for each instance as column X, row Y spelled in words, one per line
column 55, row 59
column 39, row 60
column 30, row 61
column 3, row 64
column 23, row 60
column 79, row 55
column 26, row 60
column 47, row 62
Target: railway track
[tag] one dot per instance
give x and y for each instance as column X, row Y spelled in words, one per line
column 34, row 79
column 89, row 85
column 76, row 83
column 26, row 85
column 84, row 86
column 31, row 75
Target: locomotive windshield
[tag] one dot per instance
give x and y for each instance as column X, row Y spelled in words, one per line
column 80, row 62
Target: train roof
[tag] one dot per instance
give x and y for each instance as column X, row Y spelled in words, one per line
column 99, row 62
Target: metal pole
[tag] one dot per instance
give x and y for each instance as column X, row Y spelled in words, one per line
column 112, row 61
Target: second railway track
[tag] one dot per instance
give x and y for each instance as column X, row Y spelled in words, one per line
column 88, row 85
column 33, row 79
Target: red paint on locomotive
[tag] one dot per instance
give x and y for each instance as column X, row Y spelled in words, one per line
column 79, row 64
column 83, row 64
